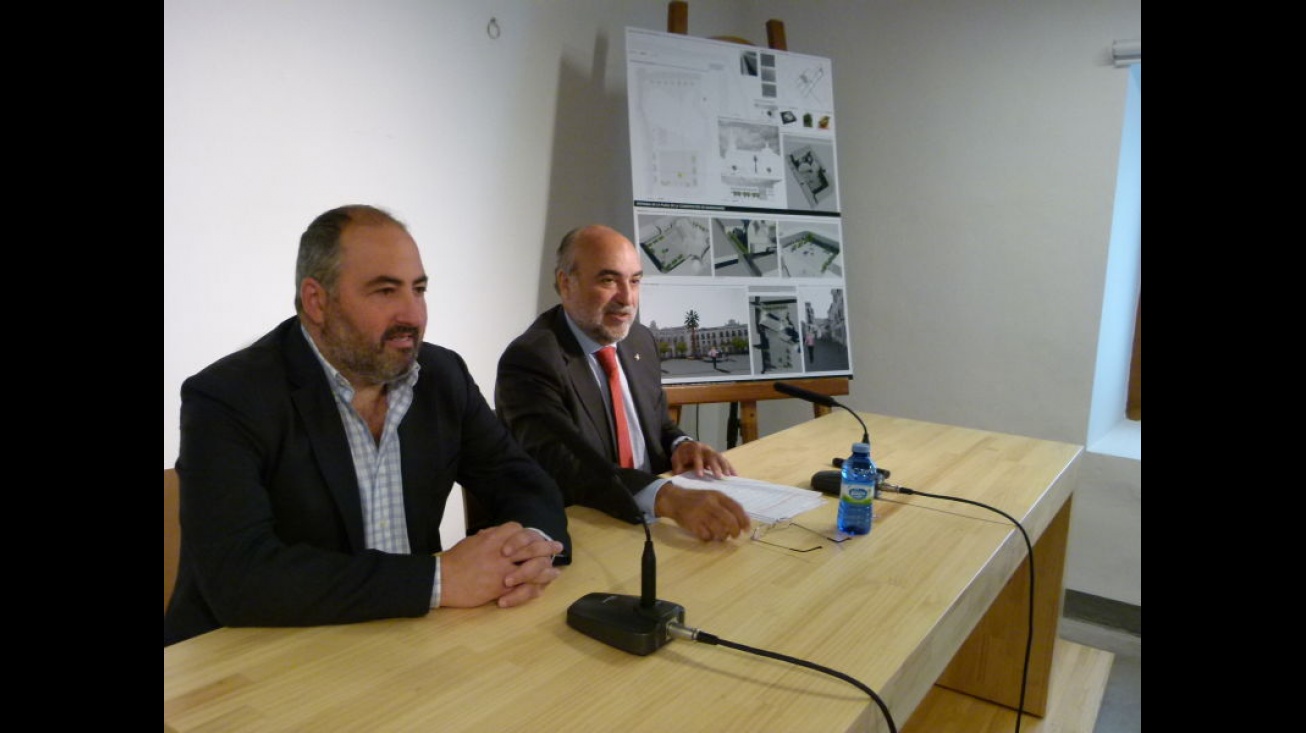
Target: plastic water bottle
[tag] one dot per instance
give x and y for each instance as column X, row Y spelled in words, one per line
column 857, row 492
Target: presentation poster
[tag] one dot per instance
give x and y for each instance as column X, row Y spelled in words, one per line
column 736, row 209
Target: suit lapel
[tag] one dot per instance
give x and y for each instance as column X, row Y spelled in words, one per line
column 583, row 383
column 420, row 467
column 321, row 421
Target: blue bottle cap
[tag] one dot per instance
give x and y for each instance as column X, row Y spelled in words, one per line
column 862, row 448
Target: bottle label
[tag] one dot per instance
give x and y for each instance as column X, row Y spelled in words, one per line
column 857, row 494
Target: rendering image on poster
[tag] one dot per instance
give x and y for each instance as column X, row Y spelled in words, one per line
column 811, row 249
column 811, row 174
column 750, row 164
column 745, row 247
column 676, row 245
column 777, row 344
column 736, row 209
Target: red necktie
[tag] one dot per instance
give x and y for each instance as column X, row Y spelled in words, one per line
column 607, row 356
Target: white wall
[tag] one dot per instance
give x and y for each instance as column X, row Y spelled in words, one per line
column 978, row 143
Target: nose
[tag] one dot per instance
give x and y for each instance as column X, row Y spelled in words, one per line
column 412, row 309
column 626, row 290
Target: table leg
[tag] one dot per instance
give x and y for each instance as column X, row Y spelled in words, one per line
column 988, row 665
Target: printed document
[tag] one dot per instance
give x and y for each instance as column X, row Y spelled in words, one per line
column 766, row 502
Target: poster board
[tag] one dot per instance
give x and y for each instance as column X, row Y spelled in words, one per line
column 736, row 209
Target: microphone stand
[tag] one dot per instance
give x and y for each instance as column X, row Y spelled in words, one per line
column 828, row 481
column 822, row 400
column 634, row 624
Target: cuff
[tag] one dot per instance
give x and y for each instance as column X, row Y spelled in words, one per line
column 646, row 499
column 435, row 588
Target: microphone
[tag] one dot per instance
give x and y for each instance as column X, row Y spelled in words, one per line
column 829, row 482
column 819, row 399
column 635, row 624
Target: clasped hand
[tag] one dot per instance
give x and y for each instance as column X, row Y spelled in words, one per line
column 508, row 564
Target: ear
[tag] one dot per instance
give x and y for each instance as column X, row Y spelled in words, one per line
column 561, row 282
column 314, row 298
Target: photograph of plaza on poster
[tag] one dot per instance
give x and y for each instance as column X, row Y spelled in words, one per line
column 736, row 209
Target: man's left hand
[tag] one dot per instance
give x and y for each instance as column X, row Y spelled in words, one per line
column 692, row 455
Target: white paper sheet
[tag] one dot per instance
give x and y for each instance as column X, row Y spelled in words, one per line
column 766, row 502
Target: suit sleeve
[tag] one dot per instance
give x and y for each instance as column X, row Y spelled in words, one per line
column 667, row 430
column 263, row 541
column 504, row 480
column 534, row 397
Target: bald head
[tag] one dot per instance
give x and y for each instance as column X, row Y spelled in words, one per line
column 582, row 239
column 597, row 275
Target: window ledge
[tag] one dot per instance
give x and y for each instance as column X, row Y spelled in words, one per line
column 1123, row 440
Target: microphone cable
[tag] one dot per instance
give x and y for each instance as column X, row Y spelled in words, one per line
column 828, row 401
column 680, row 631
column 1029, row 634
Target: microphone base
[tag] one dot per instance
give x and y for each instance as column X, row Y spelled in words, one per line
column 831, row 482
column 828, row 482
column 620, row 621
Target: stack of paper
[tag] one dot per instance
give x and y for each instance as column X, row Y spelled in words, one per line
column 767, row 503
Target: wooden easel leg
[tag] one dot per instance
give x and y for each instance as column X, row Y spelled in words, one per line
column 678, row 17
column 732, row 426
column 748, row 420
column 775, row 35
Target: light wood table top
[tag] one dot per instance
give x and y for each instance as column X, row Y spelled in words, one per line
column 890, row 610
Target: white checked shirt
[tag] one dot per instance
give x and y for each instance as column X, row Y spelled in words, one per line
column 377, row 463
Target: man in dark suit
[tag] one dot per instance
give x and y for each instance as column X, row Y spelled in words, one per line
column 555, row 396
column 316, row 463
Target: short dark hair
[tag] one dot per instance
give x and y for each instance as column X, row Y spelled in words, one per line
column 319, row 245
column 565, row 260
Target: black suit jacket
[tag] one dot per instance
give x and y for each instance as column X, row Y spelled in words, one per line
column 547, row 395
column 272, row 522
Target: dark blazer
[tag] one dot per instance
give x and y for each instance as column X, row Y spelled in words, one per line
column 547, row 395
column 272, row 522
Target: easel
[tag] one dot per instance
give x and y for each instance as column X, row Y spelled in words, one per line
column 742, row 396
column 678, row 22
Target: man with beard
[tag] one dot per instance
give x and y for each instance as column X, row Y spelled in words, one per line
column 555, row 391
column 316, row 463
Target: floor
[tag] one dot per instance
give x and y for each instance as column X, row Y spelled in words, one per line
column 1122, row 706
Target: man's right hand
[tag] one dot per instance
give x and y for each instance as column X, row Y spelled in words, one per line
column 707, row 513
column 506, row 563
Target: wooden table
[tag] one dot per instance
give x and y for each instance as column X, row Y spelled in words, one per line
column 924, row 598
